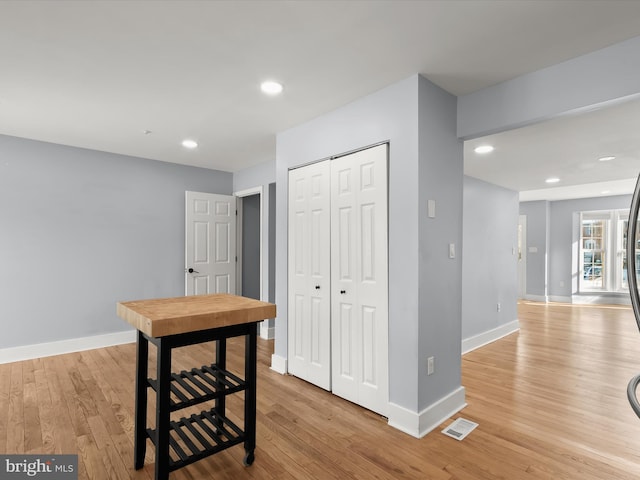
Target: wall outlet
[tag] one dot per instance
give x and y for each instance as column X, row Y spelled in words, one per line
column 430, row 365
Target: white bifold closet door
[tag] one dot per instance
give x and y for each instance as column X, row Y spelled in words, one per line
column 309, row 340
column 338, row 276
column 359, row 278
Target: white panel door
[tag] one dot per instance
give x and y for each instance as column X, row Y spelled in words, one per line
column 359, row 279
column 210, row 244
column 309, row 309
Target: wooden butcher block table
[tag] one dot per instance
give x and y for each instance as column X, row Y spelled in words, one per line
column 169, row 323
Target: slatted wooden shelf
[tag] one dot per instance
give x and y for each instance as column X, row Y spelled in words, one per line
column 198, row 436
column 200, row 385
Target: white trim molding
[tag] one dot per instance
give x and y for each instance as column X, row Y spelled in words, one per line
column 279, row 364
column 560, row 299
column 484, row 338
column 615, row 299
column 29, row 352
column 267, row 332
column 537, row 298
column 420, row 424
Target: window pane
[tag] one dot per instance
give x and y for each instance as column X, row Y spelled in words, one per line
column 593, row 255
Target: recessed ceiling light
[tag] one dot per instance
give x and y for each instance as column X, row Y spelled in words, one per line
column 483, row 149
column 191, row 144
column 552, row 180
column 606, row 159
column 271, row 88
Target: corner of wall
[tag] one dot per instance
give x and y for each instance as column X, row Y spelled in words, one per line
column 267, row 330
column 420, row 424
column 279, row 364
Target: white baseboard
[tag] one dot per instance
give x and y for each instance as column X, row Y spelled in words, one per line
column 279, row 364
column 419, row 424
column 29, row 352
column 560, row 299
column 601, row 299
column 477, row 341
column 267, row 332
column 537, row 298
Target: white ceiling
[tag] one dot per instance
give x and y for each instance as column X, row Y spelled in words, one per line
column 97, row 74
column 568, row 148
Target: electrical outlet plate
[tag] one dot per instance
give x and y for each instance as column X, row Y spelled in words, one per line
column 430, row 365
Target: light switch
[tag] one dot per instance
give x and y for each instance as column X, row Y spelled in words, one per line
column 431, row 208
column 452, row 250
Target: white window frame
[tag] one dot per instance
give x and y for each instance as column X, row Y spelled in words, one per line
column 613, row 251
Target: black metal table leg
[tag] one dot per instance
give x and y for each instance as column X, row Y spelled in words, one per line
column 250, row 394
column 162, row 410
column 221, row 362
column 140, row 435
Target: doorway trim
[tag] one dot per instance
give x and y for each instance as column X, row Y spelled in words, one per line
column 264, row 325
column 522, row 261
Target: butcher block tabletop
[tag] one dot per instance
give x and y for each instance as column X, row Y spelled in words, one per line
column 170, row 316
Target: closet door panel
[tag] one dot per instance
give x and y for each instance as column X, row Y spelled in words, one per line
column 309, row 347
column 344, row 311
column 369, row 353
column 372, row 268
column 359, row 277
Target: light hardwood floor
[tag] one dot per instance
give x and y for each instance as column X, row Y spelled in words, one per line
column 550, row 402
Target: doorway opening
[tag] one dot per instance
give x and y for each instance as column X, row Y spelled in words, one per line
column 253, row 258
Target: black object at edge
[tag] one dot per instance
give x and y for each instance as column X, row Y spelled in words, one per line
column 633, row 284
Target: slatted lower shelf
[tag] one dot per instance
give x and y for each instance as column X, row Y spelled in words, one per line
column 198, row 436
column 200, row 385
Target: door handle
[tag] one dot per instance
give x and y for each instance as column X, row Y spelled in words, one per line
column 342, row 292
column 191, row 270
column 317, row 287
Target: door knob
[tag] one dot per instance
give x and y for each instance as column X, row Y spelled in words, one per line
column 343, row 292
column 191, row 270
column 317, row 287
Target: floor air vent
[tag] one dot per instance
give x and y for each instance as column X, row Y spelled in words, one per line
column 460, row 428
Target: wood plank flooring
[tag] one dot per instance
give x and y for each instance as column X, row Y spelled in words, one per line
column 550, row 402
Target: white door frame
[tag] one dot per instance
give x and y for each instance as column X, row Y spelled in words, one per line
column 522, row 261
column 264, row 325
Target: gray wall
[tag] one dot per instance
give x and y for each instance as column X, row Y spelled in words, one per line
column 393, row 114
column 537, row 238
column 261, row 174
column 489, row 264
column 82, row 230
column 440, row 277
